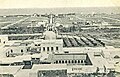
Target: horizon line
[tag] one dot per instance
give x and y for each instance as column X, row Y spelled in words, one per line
column 64, row 7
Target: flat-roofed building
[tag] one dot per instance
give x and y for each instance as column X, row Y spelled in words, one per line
column 70, row 58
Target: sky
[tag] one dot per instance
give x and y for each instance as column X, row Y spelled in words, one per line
column 5, row 4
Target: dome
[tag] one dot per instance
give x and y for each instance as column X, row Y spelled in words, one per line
column 49, row 35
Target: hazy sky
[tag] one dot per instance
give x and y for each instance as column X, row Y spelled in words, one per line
column 57, row 3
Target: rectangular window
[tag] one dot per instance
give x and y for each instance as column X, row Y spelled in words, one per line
column 51, row 48
column 57, row 48
column 33, row 58
column 47, row 48
column 81, row 61
column 37, row 58
column 43, row 48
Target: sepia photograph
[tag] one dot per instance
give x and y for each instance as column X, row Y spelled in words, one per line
column 59, row 38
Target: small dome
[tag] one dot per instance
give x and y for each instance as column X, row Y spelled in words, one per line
column 49, row 35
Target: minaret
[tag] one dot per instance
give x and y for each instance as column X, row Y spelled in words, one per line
column 51, row 18
column 51, row 24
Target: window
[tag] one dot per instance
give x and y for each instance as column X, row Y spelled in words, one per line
column 56, row 62
column 66, row 61
column 38, row 44
column 27, row 49
column 26, row 44
column 59, row 61
column 78, row 61
column 57, row 48
column 37, row 58
column 72, row 61
column 43, row 48
column 35, row 44
column 69, row 61
column 81, row 61
column 75, row 61
column 62, row 61
column 11, row 51
column 21, row 51
column 47, row 48
column 33, row 58
column 51, row 48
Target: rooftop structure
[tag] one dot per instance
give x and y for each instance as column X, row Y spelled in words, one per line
column 50, row 53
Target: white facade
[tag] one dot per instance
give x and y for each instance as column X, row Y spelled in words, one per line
column 41, row 45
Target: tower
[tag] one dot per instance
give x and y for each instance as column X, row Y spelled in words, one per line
column 51, row 18
column 51, row 24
